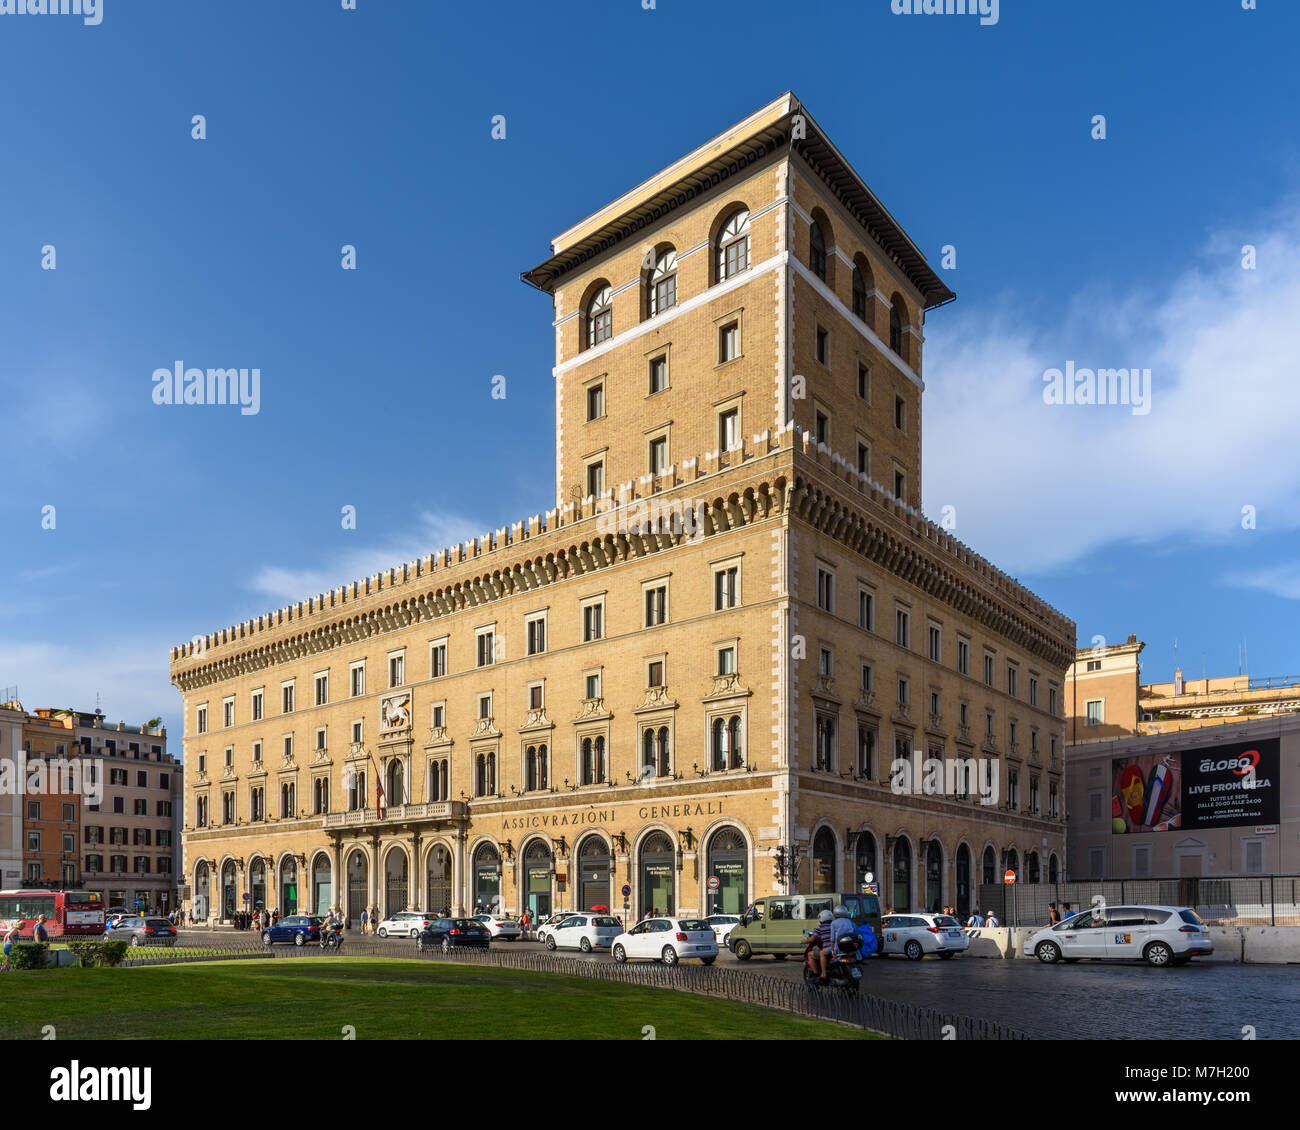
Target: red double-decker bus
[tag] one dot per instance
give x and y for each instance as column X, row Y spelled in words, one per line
column 67, row 913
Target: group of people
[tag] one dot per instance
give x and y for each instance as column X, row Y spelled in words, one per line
column 255, row 919
column 830, row 941
column 39, row 934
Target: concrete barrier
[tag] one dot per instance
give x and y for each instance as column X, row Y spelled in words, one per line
column 1270, row 945
column 1256, row 945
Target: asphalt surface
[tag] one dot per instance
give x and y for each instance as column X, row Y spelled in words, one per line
column 1088, row 1000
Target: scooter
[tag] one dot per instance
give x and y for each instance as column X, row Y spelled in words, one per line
column 843, row 972
column 331, row 937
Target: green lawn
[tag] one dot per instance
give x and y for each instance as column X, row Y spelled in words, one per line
column 381, row 998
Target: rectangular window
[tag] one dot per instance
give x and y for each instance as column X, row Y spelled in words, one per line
column 864, row 459
column 866, row 677
column 1094, row 713
column 322, row 685
column 825, row 663
column 1051, row 701
column 1033, row 691
column 288, row 746
column 286, row 698
column 902, row 628
column 596, row 478
column 864, row 383
column 592, row 686
column 201, row 722
column 485, row 705
column 900, row 414
column 728, row 343
column 228, row 712
column 823, row 346
column 356, row 733
column 1013, row 681
column 900, row 485
column 866, row 610
column 257, row 752
column 536, row 633
column 659, row 455
column 655, row 673
column 1093, row 665
column 1094, row 806
column 825, row 590
column 963, row 657
column 439, row 716
column 593, row 622
column 936, row 642
column 437, row 660
column 485, row 642
column 656, row 606
column 658, row 374
column 535, row 697
column 396, row 670
column 902, row 692
column 726, row 588
column 141, row 782
column 357, row 674
column 320, row 738
column 257, row 706
column 595, row 402
column 726, row 660
column 823, row 429
column 988, row 669
column 729, row 430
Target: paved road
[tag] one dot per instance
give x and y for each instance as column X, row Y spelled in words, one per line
column 1090, row 1000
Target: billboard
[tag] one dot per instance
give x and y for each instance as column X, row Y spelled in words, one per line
column 1222, row 786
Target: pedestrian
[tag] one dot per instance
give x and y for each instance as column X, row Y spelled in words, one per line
column 991, row 921
column 1053, row 915
column 39, row 933
column 976, row 920
column 11, row 936
column 365, row 920
column 1065, row 911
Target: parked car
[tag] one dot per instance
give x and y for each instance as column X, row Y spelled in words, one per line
column 448, row 934
column 585, row 932
column 405, row 924
column 296, row 928
column 915, row 935
column 501, row 926
column 722, row 925
column 144, row 931
column 776, row 925
column 1158, row 935
column 113, row 918
column 547, row 924
column 668, row 940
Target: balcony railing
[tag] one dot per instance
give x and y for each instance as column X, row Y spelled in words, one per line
column 444, row 810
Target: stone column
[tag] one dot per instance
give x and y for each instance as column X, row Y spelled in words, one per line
column 458, row 870
column 372, row 892
column 338, row 883
column 415, row 876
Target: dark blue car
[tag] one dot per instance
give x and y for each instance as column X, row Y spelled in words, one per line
column 449, row 934
column 296, row 928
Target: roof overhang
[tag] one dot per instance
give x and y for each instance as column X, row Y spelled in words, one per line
column 726, row 156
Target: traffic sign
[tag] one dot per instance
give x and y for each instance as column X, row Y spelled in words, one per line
column 247, row 896
column 714, row 883
column 626, row 890
column 1009, row 877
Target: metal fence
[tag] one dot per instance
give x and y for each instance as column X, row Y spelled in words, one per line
column 1240, row 900
column 892, row 1018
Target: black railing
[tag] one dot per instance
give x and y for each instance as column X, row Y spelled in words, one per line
column 891, row 1018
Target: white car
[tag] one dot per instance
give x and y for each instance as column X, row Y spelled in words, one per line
column 668, row 940
column 587, row 931
column 915, row 935
column 1158, row 935
column 405, row 924
column 501, row 926
column 722, row 925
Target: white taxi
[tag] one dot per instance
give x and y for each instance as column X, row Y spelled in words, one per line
column 915, row 935
column 586, row 932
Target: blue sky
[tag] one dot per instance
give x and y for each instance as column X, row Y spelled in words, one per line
column 372, row 127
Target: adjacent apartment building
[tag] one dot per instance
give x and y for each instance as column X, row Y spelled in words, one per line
column 1187, row 779
column 684, row 686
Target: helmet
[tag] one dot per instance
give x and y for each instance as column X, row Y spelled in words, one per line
column 841, row 911
column 824, row 917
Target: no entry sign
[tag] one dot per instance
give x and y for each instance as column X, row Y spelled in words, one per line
column 1009, row 877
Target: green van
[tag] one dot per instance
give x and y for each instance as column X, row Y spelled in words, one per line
column 776, row 924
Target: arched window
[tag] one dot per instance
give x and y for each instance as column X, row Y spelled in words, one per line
column 588, row 774
column 600, row 317
column 1031, row 868
column 817, row 250
column 662, row 292
column 648, row 749
column 733, row 245
column 897, row 321
column 733, row 735
column 859, row 293
column 989, row 866
column 480, row 775
column 865, row 857
column 823, row 862
column 396, row 794
column 665, row 760
column 1053, row 869
column 543, row 775
column 530, row 768
column 902, row 885
column 720, row 742
column 602, row 769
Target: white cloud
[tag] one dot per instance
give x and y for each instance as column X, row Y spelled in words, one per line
column 432, row 532
column 1038, row 486
column 1279, row 580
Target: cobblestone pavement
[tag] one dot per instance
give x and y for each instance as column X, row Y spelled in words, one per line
column 1090, row 1000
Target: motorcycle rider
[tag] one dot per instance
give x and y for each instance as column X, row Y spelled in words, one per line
column 819, row 943
column 841, row 926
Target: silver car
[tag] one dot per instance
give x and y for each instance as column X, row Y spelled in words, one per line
column 1158, row 935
